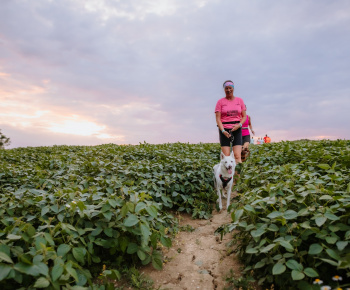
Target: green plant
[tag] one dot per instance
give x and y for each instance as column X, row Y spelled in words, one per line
column 243, row 282
column 186, row 228
column 139, row 280
column 292, row 214
column 67, row 210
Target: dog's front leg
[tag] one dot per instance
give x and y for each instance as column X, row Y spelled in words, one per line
column 228, row 196
column 219, row 199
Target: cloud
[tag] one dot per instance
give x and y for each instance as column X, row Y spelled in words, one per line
column 153, row 70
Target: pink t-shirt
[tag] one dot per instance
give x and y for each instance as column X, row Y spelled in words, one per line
column 245, row 132
column 231, row 110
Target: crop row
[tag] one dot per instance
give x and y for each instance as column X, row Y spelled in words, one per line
column 292, row 215
column 67, row 210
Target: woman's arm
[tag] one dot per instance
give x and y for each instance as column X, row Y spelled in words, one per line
column 219, row 123
column 239, row 125
column 218, row 120
column 250, row 125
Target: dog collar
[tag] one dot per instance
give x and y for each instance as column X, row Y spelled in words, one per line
column 225, row 181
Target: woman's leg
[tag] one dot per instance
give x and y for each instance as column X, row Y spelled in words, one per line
column 246, row 145
column 237, row 152
column 226, row 150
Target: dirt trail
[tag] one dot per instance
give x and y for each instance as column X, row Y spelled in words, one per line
column 198, row 259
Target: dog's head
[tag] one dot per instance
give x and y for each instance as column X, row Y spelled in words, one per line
column 227, row 163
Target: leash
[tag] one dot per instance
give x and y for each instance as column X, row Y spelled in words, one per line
column 231, row 140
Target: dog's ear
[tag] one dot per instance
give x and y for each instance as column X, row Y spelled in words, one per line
column 232, row 155
column 222, row 155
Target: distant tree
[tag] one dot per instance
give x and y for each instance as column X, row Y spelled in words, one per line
column 4, row 141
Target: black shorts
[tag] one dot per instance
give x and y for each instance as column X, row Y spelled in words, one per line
column 237, row 138
column 246, row 139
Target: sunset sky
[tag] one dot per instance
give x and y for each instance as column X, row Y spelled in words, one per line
column 89, row 72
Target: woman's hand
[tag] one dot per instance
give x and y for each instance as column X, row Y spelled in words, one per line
column 227, row 134
column 235, row 127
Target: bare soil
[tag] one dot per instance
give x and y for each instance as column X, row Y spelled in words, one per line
column 197, row 259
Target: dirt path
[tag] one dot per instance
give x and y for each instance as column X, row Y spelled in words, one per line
column 197, row 259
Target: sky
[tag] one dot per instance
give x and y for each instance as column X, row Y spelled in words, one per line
column 90, row 72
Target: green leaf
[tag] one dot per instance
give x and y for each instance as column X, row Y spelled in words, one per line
column 31, row 270
column 79, row 254
column 5, row 258
column 342, row 245
column 267, row 248
column 259, row 265
column 249, row 208
column 331, row 216
column 320, row 220
column 49, row 239
column 324, row 166
column 40, row 243
column 331, row 262
column 124, row 242
column 130, row 206
column 81, row 205
column 294, row 265
column 157, row 261
column 132, row 248
column 331, row 240
column 131, row 220
column 310, row 272
column 145, row 231
column 274, row 214
column 72, row 271
column 251, row 251
column 108, row 232
column 30, row 230
column 333, row 254
column 273, row 228
column 287, row 245
column 238, row 214
column 63, row 249
column 108, row 215
column 140, row 206
column 13, row 237
column 4, row 271
column 152, row 211
column 326, row 197
column 278, row 268
column 290, row 214
column 112, row 202
column 141, row 254
column 42, row 268
column 57, row 271
column 315, row 249
column 165, row 241
column 45, row 210
column 41, row 283
column 297, row 275
column 5, row 249
column 96, row 231
column 258, row 232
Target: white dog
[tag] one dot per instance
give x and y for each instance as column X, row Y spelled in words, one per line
column 223, row 177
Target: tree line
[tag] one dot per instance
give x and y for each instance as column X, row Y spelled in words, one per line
column 4, row 141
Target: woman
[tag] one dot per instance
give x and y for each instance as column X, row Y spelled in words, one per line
column 245, row 131
column 230, row 115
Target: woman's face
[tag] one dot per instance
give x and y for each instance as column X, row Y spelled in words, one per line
column 229, row 91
